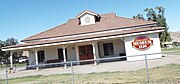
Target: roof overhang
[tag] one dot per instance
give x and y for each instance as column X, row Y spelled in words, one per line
column 78, row 41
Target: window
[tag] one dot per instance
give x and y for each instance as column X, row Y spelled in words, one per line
column 82, row 50
column 108, row 49
column 41, row 56
column 60, row 54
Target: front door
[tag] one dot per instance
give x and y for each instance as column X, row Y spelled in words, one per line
column 41, row 56
column 85, row 52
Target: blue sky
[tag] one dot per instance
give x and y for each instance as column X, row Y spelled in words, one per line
column 22, row 18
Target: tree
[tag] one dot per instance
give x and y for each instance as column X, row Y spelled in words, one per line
column 151, row 14
column 157, row 15
column 9, row 42
column 1, row 52
column 139, row 16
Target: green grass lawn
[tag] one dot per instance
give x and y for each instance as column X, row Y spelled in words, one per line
column 172, row 49
column 169, row 74
column 17, row 65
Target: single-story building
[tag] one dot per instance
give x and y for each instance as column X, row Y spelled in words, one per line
column 90, row 36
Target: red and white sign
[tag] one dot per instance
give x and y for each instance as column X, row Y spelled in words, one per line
column 142, row 43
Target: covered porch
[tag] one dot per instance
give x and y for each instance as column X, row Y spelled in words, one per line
column 75, row 52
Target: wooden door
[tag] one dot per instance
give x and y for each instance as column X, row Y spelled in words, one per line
column 85, row 52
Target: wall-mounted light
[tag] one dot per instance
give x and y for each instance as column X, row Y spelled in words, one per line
column 72, row 47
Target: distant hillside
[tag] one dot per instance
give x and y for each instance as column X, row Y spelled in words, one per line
column 175, row 36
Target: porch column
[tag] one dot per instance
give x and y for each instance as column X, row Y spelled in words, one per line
column 36, row 58
column 77, row 53
column 11, row 58
column 94, row 52
column 64, row 55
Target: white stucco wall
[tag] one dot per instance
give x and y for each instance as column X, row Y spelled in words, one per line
column 31, row 58
column 92, row 19
column 155, row 48
column 51, row 53
column 71, row 52
column 118, row 46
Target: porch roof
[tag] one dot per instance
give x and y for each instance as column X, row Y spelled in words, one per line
column 86, row 37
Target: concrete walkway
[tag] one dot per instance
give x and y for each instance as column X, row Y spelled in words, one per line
column 102, row 67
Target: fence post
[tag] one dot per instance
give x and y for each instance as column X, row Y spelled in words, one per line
column 72, row 72
column 6, row 75
column 147, row 70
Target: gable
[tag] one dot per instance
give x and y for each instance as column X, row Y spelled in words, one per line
column 87, row 19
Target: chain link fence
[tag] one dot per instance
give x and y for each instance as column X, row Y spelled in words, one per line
column 110, row 70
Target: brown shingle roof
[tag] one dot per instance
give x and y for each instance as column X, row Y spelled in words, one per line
column 115, row 33
column 107, row 22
